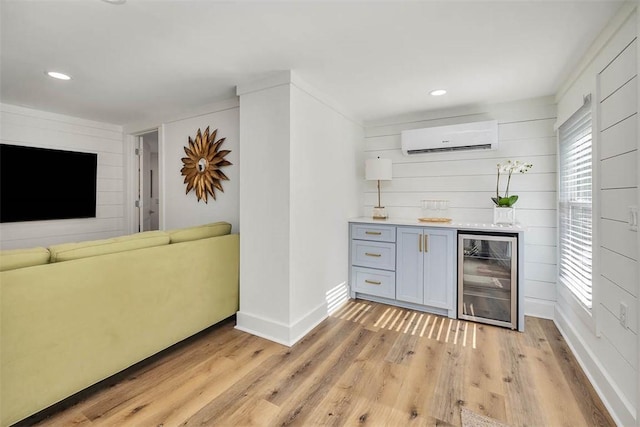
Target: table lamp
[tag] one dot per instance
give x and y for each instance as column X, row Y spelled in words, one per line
column 378, row 170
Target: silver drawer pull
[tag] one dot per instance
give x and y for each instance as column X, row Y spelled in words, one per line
column 375, row 233
column 370, row 254
column 372, row 282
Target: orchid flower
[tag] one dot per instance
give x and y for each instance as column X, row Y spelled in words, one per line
column 509, row 167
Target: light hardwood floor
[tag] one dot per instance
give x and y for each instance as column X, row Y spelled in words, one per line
column 367, row 364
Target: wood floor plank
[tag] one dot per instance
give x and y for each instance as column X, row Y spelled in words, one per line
column 483, row 369
column 178, row 398
column 258, row 381
column 449, row 387
column 584, row 395
column 535, row 336
column 402, row 349
column 523, row 407
column 366, row 364
column 550, row 386
column 339, row 402
column 254, row 415
column 313, row 363
column 298, row 377
column 418, row 390
column 295, row 411
column 486, row 403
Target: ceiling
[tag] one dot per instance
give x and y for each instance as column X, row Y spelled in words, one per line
column 144, row 60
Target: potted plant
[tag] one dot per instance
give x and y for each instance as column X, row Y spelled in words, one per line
column 503, row 211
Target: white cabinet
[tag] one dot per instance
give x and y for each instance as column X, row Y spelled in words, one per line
column 412, row 267
column 425, row 271
column 373, row 260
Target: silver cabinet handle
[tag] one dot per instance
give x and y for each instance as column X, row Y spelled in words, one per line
column 374, row 255
column 372, row 282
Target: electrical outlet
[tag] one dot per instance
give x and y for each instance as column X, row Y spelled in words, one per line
column 624, row 312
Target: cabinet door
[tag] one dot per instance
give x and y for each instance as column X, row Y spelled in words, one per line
column 439, row 255
column 409, row 265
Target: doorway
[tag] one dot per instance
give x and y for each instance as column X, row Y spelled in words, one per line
column 148, row 198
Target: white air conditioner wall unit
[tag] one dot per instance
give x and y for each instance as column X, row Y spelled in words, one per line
column 460, row 137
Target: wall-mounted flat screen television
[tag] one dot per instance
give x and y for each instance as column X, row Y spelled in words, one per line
column 44, row 184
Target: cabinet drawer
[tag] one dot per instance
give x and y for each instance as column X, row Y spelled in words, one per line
column 373, row 254
column 374, row 282
column 378, row 233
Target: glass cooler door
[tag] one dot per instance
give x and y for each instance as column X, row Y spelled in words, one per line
column 487, row 279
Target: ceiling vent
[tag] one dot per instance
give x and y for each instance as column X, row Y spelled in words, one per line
column 460, row 137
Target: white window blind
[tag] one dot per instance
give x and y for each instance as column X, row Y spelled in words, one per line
column 575, row 205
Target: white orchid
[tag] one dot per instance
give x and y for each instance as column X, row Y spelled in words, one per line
column 509, row 167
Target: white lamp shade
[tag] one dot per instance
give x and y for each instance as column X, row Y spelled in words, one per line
column 377, row 169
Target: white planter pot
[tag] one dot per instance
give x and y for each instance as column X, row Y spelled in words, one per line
column 504, row 215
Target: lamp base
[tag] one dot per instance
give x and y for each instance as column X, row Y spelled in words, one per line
column 380, row 213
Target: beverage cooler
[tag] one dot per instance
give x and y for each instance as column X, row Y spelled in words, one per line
column 488, row 278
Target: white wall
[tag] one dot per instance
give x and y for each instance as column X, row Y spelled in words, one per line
column 607, row 350
column 638, row 237
column 468, row 180
column 28, row 127
column 326, row 189
column 618, row 151
column 300, row 182
column 184, row 210
column 264, row 214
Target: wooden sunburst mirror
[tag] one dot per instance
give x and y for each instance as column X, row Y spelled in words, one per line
column 202, row 165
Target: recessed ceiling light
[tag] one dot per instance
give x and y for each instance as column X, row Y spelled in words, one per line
column 437, row 92
column 114, row 1
column 57, row 75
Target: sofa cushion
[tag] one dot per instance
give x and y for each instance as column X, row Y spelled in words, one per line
column 70, row 251
column 146, row 239
column 18, row 258
column 213, row 229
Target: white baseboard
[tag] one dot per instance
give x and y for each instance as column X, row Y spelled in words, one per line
column 305, row 324
column 279, row 332
column 265, row 328
column 539, row 308
column 619, row 408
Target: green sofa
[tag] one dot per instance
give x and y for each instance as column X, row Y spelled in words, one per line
column 77, row 313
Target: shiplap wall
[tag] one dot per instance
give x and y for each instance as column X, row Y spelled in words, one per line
column 33, row 128
column 605, row 349
column 618, row 156
column 468, row 180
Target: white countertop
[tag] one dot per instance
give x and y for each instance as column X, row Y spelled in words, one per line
column 515, row 228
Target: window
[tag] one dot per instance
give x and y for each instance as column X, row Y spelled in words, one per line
column 575, row 206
